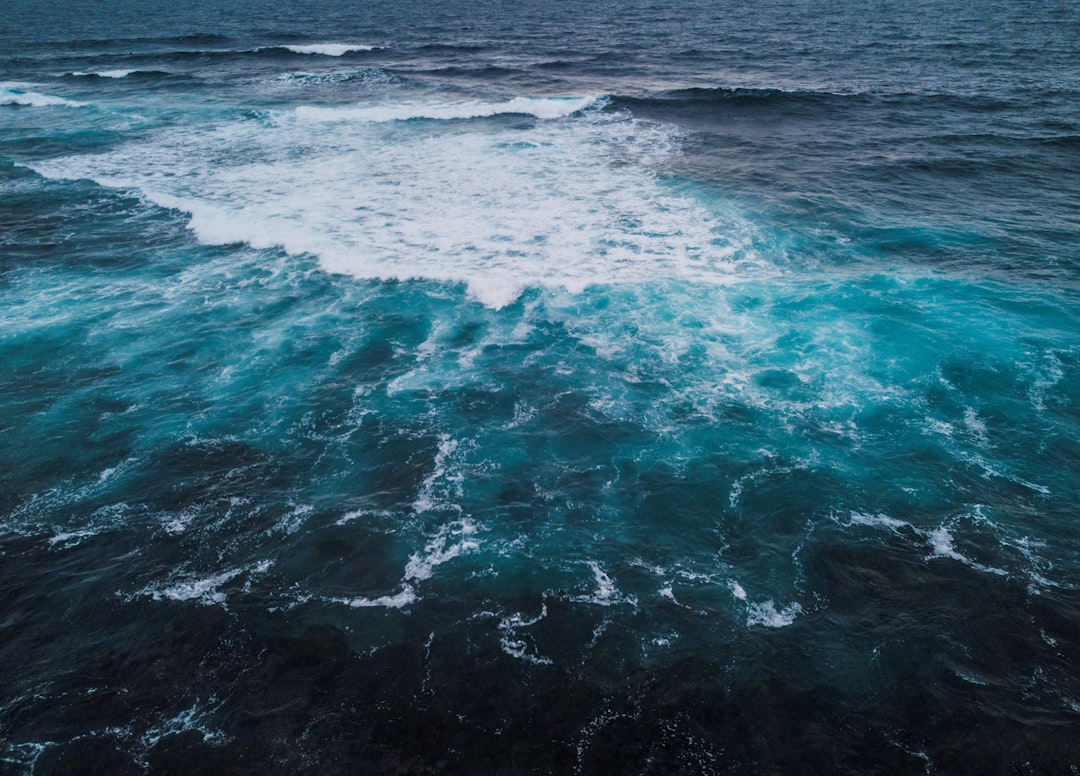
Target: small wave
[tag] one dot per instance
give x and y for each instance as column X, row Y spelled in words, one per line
column 697, row 103
column 322, row 49
column 15, row 96
column 198, row 37
column 558, row 64
column 961, row 101
column 103, row 74
column 451, row 48
column 193, row 39
column 742, row 94
column 120, row 73
column 540, row 107
column 484, row 72
column 1063, row 141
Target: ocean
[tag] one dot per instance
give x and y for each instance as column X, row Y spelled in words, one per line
column 567, row 387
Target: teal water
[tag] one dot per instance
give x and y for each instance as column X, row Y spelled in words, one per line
column 450, row 393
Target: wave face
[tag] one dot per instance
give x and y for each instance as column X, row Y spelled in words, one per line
column 539, row 107
column 570, row 387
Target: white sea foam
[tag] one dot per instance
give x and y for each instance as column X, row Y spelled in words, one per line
column 68, row 539
column 880, row 520
column 1038, row 566
column 523, row 413
column 769, row 616
column 433, row 491
column 357, row 514
column 102, row 519
column 518, row 648
column 560, row 204
column 939, row 427
column 605, row 593
column 190, row 719
column 203, row 590
column 291, row 522
column 1046, row 378
column 765, row 612
column 24, row 754
column 941, row 541
column 451, row 541
column 206, row 590
column 396, row 601
column 975, row 426
column 178, row 522
column 1042, row 490
column 514, row 644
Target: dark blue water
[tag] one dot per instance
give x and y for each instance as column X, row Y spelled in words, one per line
column 574, row 387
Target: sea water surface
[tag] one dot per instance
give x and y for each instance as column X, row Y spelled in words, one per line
column 633, row 387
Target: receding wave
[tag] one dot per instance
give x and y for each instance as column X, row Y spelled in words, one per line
column 540, row 107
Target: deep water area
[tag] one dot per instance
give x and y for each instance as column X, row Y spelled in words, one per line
column 576, row 387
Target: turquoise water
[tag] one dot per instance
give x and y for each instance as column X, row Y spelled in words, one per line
column 544, row 391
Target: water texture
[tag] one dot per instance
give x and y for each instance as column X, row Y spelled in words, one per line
column 539, row 388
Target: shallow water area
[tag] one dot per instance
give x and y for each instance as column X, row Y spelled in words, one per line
column 571, row 389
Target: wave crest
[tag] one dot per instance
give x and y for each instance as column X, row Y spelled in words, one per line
column 322, row 49
column 13, row 95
